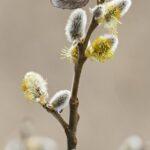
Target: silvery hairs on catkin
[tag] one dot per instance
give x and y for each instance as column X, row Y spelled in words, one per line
column 69, row 4
column 97, row 11
column 75, row 28
column 60, row 100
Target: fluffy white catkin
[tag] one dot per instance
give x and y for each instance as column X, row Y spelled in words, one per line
column 60, row 100
column 69, row 4
column 75, row 28
column 34, row 87
column 114, row 11
column 98, row 11
column 114, row 41
column 124, row 6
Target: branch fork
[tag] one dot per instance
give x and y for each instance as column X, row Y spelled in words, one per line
column 71, row 128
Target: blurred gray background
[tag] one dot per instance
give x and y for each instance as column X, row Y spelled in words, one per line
column 114, row 96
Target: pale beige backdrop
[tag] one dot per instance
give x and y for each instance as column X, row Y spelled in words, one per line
column 114, row 96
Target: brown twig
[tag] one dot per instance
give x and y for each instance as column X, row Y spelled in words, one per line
column 58, row 117
column 74, row 116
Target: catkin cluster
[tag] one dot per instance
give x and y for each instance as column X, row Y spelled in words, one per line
column 34, row 88
column 103, row 47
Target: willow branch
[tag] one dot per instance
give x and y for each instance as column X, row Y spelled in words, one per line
column 71, row 129
column 92, row 27
column 78, row 67
column 58, row 117
column 74, row 116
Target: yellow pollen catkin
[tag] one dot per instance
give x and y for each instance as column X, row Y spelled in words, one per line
column 113, row 12
column 100, row 50
column 34, row 87
column 111, row 18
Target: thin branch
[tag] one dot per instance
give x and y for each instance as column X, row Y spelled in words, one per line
column 92, row 27
column 70, row 129
column 58, row 117
column 74, row 116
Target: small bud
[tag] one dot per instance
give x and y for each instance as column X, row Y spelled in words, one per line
column 34, row 87
column 60, row 100
column 102, row 48
column 114, row 10
column 75, row 28
column 134, row 142
column 98, row 11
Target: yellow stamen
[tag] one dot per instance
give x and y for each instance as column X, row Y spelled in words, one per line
column 71, row 54
column 100, row 49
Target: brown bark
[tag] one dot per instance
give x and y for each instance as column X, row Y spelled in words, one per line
column 74, row 102
column 58, row 117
